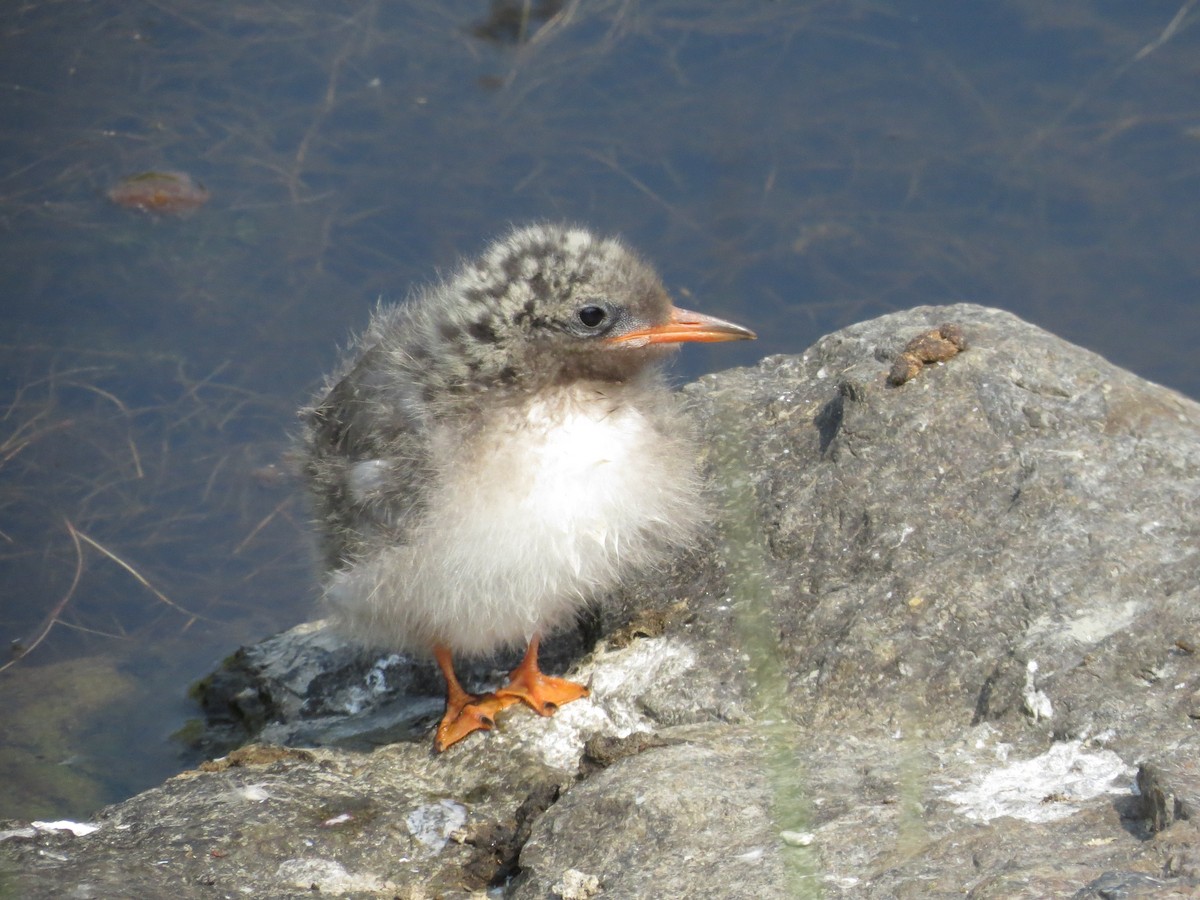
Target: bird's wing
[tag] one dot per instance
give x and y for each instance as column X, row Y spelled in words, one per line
column 367, row 458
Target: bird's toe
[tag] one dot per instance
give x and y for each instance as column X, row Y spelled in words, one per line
column 544, row 694
column 475, row 714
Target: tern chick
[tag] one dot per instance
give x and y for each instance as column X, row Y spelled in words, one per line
column 499, row 450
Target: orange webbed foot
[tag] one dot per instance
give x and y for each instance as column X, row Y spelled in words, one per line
column 465, row 713
column 544, row 694
column 473, row 713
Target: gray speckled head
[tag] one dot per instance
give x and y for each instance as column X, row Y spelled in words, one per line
column 539, row 306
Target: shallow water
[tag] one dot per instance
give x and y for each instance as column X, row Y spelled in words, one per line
column 795, row 167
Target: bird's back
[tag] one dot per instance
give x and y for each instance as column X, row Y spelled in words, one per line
column 366, row 446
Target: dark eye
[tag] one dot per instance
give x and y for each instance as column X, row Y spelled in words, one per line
column 593, row 316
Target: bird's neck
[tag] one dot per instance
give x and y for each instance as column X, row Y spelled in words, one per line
column 555, row 403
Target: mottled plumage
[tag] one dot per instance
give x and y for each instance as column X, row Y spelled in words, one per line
column 500, row 449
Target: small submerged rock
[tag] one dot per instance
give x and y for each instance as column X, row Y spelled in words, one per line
column 161, row 193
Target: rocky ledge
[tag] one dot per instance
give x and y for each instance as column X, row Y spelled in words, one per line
column 945, row 642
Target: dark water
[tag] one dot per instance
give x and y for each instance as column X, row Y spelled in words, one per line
column 794, row 166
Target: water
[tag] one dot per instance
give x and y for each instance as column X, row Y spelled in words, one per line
column 792, row 166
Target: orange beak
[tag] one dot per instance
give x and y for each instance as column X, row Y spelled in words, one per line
column 685, row 326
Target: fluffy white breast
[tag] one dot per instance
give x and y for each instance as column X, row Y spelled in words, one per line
column 583, row 464
column 543, row 507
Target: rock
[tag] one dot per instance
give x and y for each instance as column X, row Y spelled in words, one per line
column 1170, row 790
column 695, row 813
column 944, row 631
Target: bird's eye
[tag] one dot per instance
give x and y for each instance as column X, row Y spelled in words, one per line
column 593, row 316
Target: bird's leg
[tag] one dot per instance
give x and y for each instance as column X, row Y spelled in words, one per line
column 544, row 694
column 464, row 712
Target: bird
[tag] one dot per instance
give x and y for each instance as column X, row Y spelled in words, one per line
column 500, row 449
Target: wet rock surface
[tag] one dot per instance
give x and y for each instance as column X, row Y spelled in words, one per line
column 943, row 644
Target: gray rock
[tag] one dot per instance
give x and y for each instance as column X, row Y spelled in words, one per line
column 946, row 628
